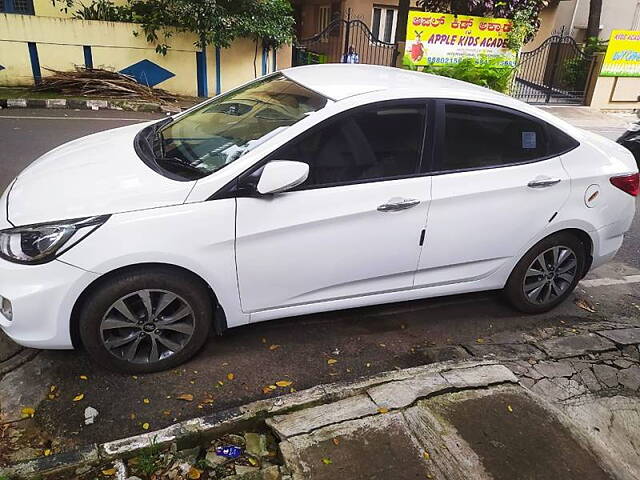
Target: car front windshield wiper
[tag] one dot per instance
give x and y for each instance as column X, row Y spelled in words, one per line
column 177, row 162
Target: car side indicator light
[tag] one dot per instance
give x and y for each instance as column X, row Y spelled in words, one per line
column 627, row 183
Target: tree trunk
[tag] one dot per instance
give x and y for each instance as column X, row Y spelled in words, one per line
column 595, row 10
column 401, row 30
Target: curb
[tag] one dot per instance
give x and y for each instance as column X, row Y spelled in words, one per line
column 192, row 432
column 72, row 104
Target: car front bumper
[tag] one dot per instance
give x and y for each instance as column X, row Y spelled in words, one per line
column 42, row 298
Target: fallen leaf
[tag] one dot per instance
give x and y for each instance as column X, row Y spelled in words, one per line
column 78, row 397
column 132, row 416
column 166, row 412
column 135, row 377
column 146, row 400
column 109, row 472
column 230, row 376
column 383, row 410
column 284, row 383
column 480, row 340
column 332, row 361
column 145, row 426
column 194, row 473
column 84, row 377
column 252, row 461
column 426, row 455
column 509, row 408
column 382, row 345
column 53, row 388
column 585, row 305
column 47, row 452
column 274, row 347
column 187, row 397
column 51, row 396
column 335, row 441
column 264, row 340
column 220, row 383
column 368, row 365
column 268, row 388
column 327, row 461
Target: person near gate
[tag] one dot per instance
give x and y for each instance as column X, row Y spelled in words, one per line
column 351, row 56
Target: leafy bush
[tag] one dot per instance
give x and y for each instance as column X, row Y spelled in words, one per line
column 575, row 71
column 489, row 73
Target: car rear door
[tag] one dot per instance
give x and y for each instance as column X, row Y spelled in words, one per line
column 496, row 184
column 353, row 228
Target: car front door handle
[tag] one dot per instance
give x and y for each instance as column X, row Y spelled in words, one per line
column 543, row 182
column 397, row 204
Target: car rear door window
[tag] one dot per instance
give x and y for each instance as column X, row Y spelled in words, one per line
column 482, row 137
column 370, row 144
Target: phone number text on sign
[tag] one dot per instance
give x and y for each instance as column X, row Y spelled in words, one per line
column 441, row 39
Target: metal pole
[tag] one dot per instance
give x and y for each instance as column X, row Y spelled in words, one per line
column 554, row 66
column 347, row 32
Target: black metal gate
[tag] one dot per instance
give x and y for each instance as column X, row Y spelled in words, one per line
column 344, row 41
column 558, row 71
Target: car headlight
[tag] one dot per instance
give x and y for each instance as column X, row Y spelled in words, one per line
column 35, row 244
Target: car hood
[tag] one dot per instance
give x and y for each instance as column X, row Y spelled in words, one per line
column 94, row 175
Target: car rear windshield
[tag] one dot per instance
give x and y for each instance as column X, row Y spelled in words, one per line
column 221, row 131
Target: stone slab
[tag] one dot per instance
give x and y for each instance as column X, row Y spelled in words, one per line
column 309, row 419
column 576, row 345
column 481, row 376
column 623, row 336
column 403, row 393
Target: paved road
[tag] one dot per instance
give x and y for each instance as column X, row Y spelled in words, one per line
column 363, row 341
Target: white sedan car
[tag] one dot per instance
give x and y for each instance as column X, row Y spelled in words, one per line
column 317, row 188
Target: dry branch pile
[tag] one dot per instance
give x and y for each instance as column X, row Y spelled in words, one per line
column 98, row 82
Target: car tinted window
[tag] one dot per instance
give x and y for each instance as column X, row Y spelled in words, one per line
column 370, row 144
column 560, row 142
column 480, row 137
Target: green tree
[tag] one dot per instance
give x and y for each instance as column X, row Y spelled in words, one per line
column 214, row 22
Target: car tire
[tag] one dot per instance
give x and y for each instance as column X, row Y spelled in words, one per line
column 146, row 320
column 534, row 287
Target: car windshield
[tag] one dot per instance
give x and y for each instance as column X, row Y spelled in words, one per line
column 221, row 131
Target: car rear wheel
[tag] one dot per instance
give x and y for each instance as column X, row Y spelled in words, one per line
column 146, row 321
column 547, row 274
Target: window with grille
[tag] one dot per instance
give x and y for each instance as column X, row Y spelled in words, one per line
column 324, row 17
column 24, row 7
column 383, row 23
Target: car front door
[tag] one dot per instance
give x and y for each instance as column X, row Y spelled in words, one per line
column 353, row 228
column 498, row 182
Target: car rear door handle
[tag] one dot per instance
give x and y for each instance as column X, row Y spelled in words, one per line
column 397, row 204
column 543, row 182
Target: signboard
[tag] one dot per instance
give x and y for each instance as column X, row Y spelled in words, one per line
column 443, row 39
column 623, row 55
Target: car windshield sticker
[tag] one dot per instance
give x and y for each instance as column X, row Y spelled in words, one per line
column 528, row 140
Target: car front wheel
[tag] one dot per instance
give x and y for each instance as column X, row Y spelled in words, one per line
column 146, row 320
column 547, row 274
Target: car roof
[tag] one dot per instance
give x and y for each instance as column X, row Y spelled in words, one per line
column 339, row 81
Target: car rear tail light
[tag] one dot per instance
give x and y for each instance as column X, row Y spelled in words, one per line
column 627, row 183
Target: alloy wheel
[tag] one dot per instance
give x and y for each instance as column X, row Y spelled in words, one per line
column 550, row 275
column 147, row 326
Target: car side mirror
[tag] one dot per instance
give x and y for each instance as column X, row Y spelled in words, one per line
column 282, row 175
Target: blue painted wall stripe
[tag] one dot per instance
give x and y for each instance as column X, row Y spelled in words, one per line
column 201, row 71
column 274, row 59
column 88, row 57
column 218, row 72
column 265, row 55
column 35, row 62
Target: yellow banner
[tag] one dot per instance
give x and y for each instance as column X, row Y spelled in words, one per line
column 444, row 39
column 623, row 55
